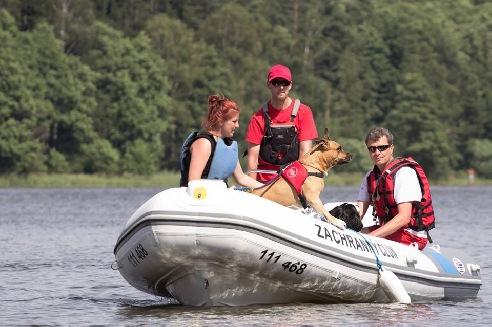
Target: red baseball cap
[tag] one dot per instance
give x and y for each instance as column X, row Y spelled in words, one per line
column 279, row 71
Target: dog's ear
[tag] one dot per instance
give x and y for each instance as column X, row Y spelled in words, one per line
column 347, row 206
column 336, row 212
column 325, row 145
column 351, row 208
column 327, row 134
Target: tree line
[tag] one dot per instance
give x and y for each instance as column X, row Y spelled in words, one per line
column 115, row 86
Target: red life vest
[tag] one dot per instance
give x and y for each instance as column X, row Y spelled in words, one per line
column 381, row 189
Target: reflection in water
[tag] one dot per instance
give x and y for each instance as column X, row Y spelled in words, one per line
column 288, row 315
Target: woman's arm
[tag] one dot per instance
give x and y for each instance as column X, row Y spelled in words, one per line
column 200, row 150
column 242, row 179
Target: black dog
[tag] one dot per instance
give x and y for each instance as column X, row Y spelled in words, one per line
column 349, row 214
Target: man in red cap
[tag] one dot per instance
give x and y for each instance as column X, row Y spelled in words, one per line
column 282, row 130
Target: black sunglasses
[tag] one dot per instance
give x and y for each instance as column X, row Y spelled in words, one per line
column 280, row 82
column 381, row 148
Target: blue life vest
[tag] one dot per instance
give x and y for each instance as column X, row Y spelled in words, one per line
column 224, row 160
column 226, row 154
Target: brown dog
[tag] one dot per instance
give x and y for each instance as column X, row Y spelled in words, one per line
column 323, row 156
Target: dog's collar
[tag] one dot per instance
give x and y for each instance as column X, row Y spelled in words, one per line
column 319, row 173
column 316, row 174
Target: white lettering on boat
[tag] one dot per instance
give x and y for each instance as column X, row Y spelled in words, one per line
column 354, row 242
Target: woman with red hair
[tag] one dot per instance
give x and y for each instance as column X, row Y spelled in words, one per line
column 212, row 153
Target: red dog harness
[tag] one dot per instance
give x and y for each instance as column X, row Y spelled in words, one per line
column 295, row 173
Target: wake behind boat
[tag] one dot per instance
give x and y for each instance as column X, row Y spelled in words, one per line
column 208, row 245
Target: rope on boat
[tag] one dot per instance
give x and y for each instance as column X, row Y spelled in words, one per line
column 389, row 282
column 380, row 266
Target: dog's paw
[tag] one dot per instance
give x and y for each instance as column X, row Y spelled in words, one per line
column 339, row 223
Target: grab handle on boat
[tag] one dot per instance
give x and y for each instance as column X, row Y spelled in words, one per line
column 411, row 260
column 115, row 267
column 474, row 269
column 263, row 171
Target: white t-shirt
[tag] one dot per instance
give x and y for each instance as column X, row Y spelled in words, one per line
column 407, row 186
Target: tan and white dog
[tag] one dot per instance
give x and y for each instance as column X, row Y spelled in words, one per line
column 323, row 156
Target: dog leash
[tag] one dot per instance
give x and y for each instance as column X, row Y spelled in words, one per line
column 244, row 189
column 274, row 179
column 250, row 189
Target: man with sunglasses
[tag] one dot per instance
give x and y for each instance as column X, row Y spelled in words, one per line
column 281, row 131
column 399, row 192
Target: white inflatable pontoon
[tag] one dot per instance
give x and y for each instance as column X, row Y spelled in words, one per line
column 209, row 245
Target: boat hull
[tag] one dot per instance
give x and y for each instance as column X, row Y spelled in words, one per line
column 232, row 248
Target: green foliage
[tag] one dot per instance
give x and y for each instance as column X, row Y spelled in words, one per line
column 480, row 153
column 140, row 158
column 68, row 92
column 24, row 112
column 116, row 86
column 99, row 157
column 361, row 162
column 194, row 71
column 19, row 153
column 132, row 85
column 416, row 128
column 57, row 163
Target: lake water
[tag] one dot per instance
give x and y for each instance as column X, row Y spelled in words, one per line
column 57, row 251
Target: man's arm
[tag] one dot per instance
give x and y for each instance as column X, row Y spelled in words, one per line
column 253, row 154
column 362, row 207
column 407, row 190
column 400, row 220
column 304, row 147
